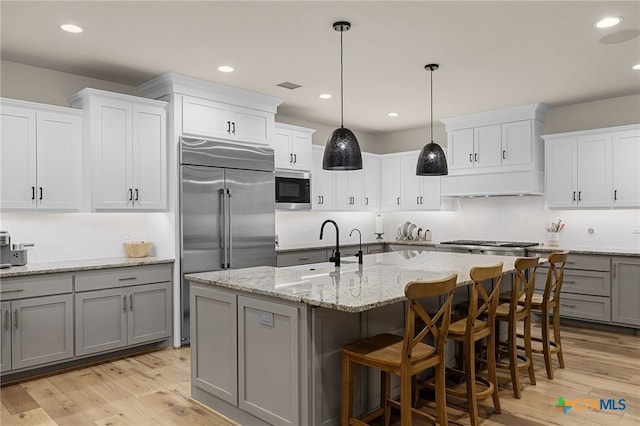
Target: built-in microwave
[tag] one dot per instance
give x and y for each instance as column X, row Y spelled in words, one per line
column 293, row 190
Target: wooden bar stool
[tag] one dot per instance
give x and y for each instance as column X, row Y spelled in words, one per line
column 404, row 356
column 471, row 329
column 512, row 312
column 547, row 304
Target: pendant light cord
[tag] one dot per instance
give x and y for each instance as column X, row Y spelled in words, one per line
column 431, row 105
column 341, row 83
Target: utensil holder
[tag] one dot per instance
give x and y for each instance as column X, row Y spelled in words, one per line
column 553, row 239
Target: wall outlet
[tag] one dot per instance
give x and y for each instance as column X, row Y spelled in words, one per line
column 266, row 318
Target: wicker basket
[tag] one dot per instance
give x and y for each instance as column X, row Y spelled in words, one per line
column 138, row 249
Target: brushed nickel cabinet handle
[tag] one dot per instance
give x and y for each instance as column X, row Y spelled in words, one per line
column 124, row 303
column 15, row 315
column 131, row 302
column 127, row 278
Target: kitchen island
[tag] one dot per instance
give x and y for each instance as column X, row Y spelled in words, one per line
column 266, row 341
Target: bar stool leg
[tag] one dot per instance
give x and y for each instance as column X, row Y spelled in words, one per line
column 556, row 335
column 470, row 376
column 347, row 390
column 546, row 345
column 493, row 375
column 385, row 394
column 513, row 359
column 441, row 403
column 527, row 348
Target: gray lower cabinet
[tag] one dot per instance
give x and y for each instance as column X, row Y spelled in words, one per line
column 625, row 300
column 115, row 318
column 119, row 314
column 301, row 257
column 245, row 351
column 36, row 330
column 375, row 248
column 586, row 287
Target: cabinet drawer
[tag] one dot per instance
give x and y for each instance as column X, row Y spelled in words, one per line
column 119, row 277
column 33, row 286
column 301, row 258
column 579, row 282
column 588, row 262
column 585, row 307
column 378, row 248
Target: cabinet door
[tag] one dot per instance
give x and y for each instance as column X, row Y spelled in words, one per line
column 149, row 313
column 282, row 149
column 43, row 330
column 594, row 171
column 205, row 118
column 322, row 182
column 17, row 158
column 412, row 197
column 625, row 302
column 214, row 342
column 626, row 169
column 430, row 198
column 101, row 321
column 113, row 149
column 349, row 186
column 371, row 170
column 5, row 336
column 517, row 145
column 149, row 158
column 561, row 164
column 250, row 125
column 58, row 161
column 301, row 148
column 268, row 364
column 391, row 182
column 460, row 147
column 487, row 146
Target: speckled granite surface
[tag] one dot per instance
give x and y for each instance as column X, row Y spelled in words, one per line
column 351, row 288
column 323, row 246
column 612, row 251
column 79, row 265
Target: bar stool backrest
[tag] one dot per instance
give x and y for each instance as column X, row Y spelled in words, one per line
column 480, row 301
column 522, row 285
column 435, row 325
column 555, row 277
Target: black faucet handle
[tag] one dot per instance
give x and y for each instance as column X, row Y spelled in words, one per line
column 359, row 256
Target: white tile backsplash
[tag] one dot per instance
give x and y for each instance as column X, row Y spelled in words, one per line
column 66, row 236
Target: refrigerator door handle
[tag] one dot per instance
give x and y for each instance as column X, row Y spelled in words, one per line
column 230, row 234
column 223, row 196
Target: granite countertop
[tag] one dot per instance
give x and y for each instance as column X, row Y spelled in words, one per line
column 37, row 268
column 613, row 251
column 352, row 287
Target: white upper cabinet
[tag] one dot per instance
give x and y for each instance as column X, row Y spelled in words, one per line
column 371, row 170
column 391, row 177
column 593, row 169
column 323, row 195
column 626, row 168
column 210, row 119
column 204, row 109
column 40, row 156
column 292, row 146
column 349, row 188
column 126, row 156
column 418, row 192
column 495, row 152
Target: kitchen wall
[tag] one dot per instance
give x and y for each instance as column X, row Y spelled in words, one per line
column 68, row 236
column 483, row 218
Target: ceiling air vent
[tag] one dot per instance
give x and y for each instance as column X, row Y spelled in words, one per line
column 289, row 85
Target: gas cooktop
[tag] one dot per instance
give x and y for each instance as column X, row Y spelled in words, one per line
column 490, row 243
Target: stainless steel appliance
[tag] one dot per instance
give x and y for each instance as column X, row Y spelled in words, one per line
column 502, row 248
column 227, row 210
column 293, row 190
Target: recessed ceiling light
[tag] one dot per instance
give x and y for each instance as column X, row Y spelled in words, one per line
column 636, row 67
column 225, row 68
column 393, row 114
column 71, row 28
column 609, row 21
column 325, row 96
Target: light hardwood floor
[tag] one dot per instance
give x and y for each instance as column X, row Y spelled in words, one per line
column 153, row 389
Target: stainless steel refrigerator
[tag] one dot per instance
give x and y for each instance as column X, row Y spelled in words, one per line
column 227, row 210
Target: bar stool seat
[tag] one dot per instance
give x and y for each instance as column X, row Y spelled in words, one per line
column 404, row 356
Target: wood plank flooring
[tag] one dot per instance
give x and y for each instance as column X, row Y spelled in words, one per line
column 154, row 389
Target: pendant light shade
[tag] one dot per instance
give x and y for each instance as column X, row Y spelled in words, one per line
column 432, row 161
column 342, row 151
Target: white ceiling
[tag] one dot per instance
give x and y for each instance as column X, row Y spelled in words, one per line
column 491, row 54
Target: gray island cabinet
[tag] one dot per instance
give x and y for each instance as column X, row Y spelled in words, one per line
column 265, row 347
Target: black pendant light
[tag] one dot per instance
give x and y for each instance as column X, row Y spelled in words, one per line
column 431, row 161
column 342, row 151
